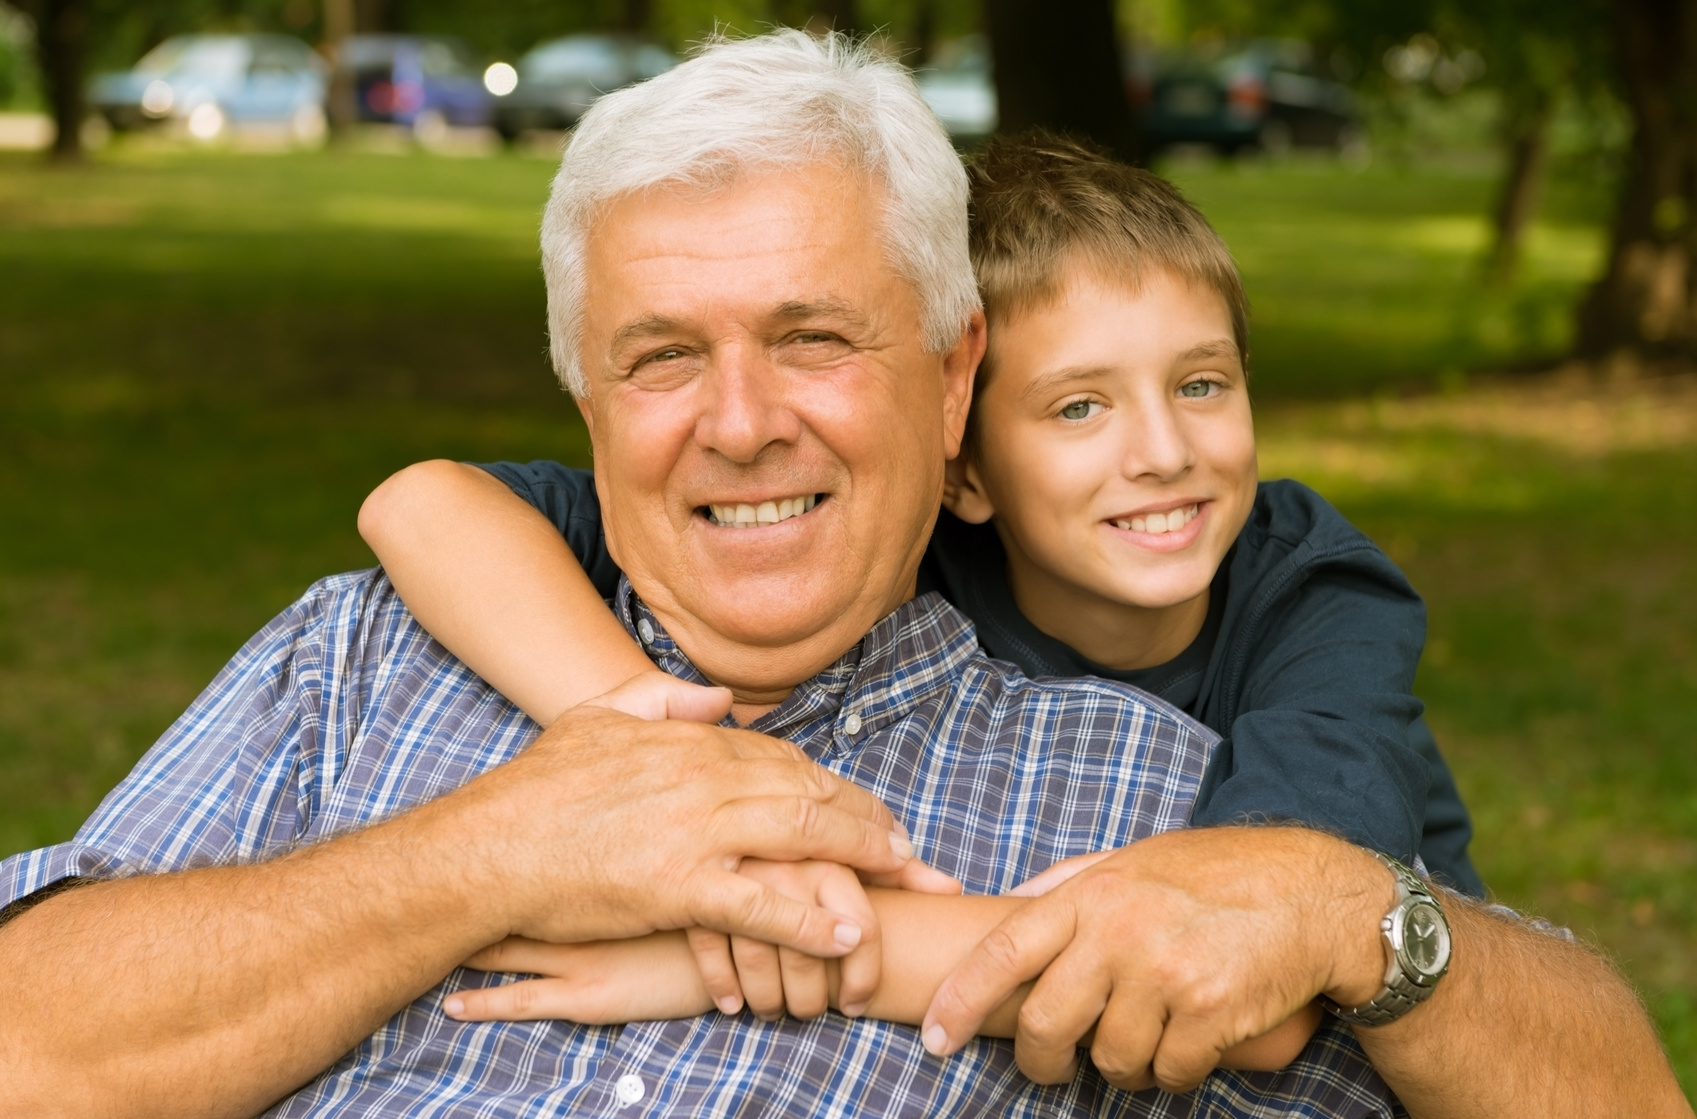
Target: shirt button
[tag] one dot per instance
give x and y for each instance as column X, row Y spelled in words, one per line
column 645, row 630
column 629, row 1089
column 851, row 725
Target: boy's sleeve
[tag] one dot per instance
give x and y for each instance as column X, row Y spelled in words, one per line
column 566, row 497
column 1322, row 734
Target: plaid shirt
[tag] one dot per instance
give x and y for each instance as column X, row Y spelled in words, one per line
column 343, row 711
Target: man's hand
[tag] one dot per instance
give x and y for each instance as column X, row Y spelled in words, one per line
column 1175, row 948
column 612, row 826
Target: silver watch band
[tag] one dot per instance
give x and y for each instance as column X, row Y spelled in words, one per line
column 1406, row 987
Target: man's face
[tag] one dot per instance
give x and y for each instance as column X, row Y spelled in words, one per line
column 753, row 356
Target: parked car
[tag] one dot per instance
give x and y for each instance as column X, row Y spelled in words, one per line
column 421, row 81
column 560, row 79
column 206, row 83
column 1267, row 95
column 957, row 85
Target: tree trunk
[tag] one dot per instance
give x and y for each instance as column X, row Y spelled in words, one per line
column 339, row 108
column 1527, row 133
column 1646, row 303
column 61, row 35
column 1058, row 67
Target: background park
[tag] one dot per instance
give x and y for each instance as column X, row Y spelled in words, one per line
column 1472, row 330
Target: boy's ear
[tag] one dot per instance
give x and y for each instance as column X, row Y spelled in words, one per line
column 963, row 490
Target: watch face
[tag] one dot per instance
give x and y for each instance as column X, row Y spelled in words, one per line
column 1426, row 939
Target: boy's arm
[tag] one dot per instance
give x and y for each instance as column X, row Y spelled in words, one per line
column 495, row 583
column 655, row 977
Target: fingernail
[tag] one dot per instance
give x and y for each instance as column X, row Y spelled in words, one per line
column 854, row 1010
column 900, row 845
column 847, row 935
column 730, row 1004
column 936, row 1040
column 453, row 1006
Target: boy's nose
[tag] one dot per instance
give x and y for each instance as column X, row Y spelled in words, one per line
column 1159, row 446
column 744, row 405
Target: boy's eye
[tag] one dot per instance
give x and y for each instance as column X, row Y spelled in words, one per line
column 1195, row 390
column 1080, row 410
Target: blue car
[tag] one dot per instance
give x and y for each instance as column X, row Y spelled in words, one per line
column 205, row 84
column 420, row 81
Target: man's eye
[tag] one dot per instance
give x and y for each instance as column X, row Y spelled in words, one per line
column 813, row 336
column 669, row 354
column 1197, row 389
column 1080, row 410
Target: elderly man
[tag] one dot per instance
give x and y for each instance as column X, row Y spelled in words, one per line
column 758, row 280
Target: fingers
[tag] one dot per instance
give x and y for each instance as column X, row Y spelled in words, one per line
column 1040, row 884
column 712, row 951
column 1060, row 1009
column 761, row 975
column 1126, row 1036
column 521, row 954
column 861, row 970
column 916, row 877
column 792, row 828
column 655, row 695
column 740, row 906
column 807, row 993
column 1016, row 950
column 525, row 1001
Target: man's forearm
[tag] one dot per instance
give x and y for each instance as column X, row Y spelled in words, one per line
column 214, row 992
column 1524, row 1024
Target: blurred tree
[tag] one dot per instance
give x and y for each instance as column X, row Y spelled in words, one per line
column 1647, row 300
column 1058, row 67
column 61, row 50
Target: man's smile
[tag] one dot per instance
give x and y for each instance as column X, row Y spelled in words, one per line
column 745, row 514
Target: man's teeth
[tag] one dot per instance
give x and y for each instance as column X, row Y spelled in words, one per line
column 766, row 513
column 1158, row 523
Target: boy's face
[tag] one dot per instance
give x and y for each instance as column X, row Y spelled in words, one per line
column 1115, row 448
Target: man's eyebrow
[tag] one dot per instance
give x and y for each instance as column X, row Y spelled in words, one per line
column 803, row 309
column 648, row 326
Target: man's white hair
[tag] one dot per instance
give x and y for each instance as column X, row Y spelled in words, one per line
column 781, row 99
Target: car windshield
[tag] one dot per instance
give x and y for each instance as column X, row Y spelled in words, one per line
column 597, row 61
column 199, row 56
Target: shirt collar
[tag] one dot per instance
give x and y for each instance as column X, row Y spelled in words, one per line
column 914, row 650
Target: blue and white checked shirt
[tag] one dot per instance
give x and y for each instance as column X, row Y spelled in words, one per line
column 343, row 711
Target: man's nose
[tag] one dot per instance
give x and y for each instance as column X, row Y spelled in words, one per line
column 745, row 405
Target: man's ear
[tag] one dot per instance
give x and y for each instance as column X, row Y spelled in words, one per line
column 588, row 413
column 963, row 490
column 960, row 367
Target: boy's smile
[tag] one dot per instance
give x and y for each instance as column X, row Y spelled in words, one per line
column 1116, row 451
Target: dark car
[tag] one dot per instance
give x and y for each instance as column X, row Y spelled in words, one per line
column 559, row 80
column 421, row 81
column 1266, row 95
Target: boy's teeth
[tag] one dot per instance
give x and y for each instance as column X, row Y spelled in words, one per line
column 1158, row 523
column 766, row 513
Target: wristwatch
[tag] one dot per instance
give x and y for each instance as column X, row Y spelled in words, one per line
column 1419, row 939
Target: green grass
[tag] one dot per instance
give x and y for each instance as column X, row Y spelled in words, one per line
column 207, row 360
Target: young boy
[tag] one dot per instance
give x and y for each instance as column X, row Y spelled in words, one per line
column 1105, row 519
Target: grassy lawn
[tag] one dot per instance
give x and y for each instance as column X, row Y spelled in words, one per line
column 206, row 361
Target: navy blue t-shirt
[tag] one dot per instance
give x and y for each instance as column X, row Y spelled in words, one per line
column 1305, row 665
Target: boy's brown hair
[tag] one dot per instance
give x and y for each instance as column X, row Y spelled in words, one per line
column 1040, row 201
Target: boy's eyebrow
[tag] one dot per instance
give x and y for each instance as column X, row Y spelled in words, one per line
column 1048, row 382
column 1219, row 347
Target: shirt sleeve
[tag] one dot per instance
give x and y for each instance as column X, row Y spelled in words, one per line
column 236, row 778
column 566, row 497
column 1322, row 733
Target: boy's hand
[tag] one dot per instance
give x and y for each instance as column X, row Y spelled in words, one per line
column 771, row 980
column 655, row 695
column 608, row 982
